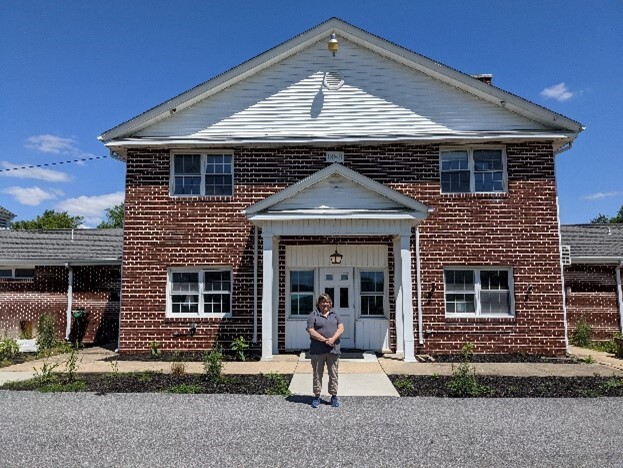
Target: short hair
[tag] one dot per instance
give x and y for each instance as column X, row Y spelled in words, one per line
column 324, row 298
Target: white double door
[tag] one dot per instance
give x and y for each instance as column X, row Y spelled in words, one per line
column 339, row 284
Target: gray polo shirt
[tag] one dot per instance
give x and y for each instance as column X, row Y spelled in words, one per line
column 326, row 326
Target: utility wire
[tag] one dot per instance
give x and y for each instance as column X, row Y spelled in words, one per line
column 52, row 164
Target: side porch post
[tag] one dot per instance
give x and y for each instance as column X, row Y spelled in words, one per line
column 407, row 296
column 400, row 344
column 267, row 295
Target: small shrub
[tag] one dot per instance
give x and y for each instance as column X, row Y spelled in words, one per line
column 46, row 335
column 45, row 375
column 178, row 368
column 588, row 360
column 213, row 364
column 184, row 388
column 154, row 349
column 72, row 363
column 582, row 333
column 613, row 383
column 75, row 386
column 8, row 348
column 404, row 383
column 463, row 382
column 239, row 346
column 279, row 385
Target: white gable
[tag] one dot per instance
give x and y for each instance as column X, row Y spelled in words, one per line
column 378, row 97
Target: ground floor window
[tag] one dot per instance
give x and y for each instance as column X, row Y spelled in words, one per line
column 372, row 293
column 17, row 273
column 301, row 292
column 199, row 292
column 479, row 291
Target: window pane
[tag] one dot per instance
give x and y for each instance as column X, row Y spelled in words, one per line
column 187, row 164
column 488, row 171
column 488, row 182
column 302, row 281
column 24, row 272
column 372, row 281
column 217, row 281
column 187, row 185
column 301, row 304
column 455, row 182
column 185, row 303
column 454, row 160
column 344, row 297
column 218, row 175
column 185, row 281
column 331, row 293
column 6, row 273
column 371, row 305
column 487, row 160
column 494, row 302
column 494, row 279
column 459, row 280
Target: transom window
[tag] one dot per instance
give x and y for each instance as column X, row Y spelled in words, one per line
column 16, row 273
column 467, row 170
column 200, row 292
column 202, row 174
column 372, row 293
column 301, row 292
column 479, row 292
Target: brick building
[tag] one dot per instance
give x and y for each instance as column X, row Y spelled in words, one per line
column 421, row 198
column 74, row 275
column 592, row 258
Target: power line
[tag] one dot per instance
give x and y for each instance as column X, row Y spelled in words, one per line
column 17, row 168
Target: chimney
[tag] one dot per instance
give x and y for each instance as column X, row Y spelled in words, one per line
column 486, row 78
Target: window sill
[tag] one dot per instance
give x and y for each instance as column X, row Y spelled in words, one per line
column 201, row 197
column 475, row 194
column 17, row 280
column 188, row 318
column 480, row 319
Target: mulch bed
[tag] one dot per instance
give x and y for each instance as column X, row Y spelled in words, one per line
column 500, row 358
column 181, row 356
column 513, row 387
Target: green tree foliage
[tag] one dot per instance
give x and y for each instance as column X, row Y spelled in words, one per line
column 50, row 219
column 114, row 217
column 603, row 219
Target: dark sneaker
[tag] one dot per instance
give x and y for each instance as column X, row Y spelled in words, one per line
column 315, row 402
column 335, row 402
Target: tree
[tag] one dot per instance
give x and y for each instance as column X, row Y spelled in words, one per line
column 603, row 219
column 114, row 217
column 50, row 219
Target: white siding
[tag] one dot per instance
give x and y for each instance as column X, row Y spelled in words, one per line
column 372, row 334
column 379, row 97
column 364, row 256
column 336, row 227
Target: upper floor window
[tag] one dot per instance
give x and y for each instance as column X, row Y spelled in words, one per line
column 17, row 273
column 479, row 292
column 465, row 170
column 197, row 293
column 202, row 174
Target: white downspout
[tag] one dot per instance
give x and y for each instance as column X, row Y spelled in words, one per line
column 419, row 285
column 617, row 273
column 255, row 244
column 70, row 286
column 562, row 278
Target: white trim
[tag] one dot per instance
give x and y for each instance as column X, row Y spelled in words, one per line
column 267, row 295
column 419, row 285
column 471, row 167
column 200, row 292
column 477, row 290
column 617, row 274
column 407, row 296
column 596, row 260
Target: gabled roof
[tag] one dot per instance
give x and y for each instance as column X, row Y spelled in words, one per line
column 60, row 246
column 6, row 214
column 337, row 191
column 473, row 86
column 593, row 243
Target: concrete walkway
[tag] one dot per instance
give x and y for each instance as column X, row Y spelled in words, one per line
column 361, row 375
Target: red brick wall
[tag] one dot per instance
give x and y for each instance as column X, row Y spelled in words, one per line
column 517, row 229
column 591, row 293
column 95, row 289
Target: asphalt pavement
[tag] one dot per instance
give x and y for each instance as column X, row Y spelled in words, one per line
column 42, row 430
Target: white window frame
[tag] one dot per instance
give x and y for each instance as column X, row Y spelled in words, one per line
column 201, row 271
column 13, row 272
column 471, row 167
column 204, row 157
column 477, row 290
column 358, row 292
column 315, row 270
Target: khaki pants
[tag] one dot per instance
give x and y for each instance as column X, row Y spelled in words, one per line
column 318, row 361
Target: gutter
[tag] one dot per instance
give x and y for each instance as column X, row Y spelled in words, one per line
column 70, row 286
column 255, row 254
column 562, row 278
column 617, row 273
column 419, row 286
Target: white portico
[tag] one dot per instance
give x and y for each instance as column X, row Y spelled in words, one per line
column 337, row 202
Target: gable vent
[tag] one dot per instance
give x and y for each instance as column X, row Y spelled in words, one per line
column 566, row 255
column 333, row 80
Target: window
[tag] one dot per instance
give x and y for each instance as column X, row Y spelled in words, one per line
column 472, row 170
column 372, row 293
column 199, row 293
column 202, row 174
column 479, row 292
column 17, row 273
column 301, row 292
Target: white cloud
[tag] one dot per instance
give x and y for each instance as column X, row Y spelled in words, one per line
column 92, row 208
column 559, row 92
column 38, row 173
column 602, row 195
column 51, row 144
column 32, row 196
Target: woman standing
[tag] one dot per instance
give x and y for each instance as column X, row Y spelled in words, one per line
column 325, row 328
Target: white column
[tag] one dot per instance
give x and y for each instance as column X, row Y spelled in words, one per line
column 400, row 348
column 267, row 296
column 275, row 308
column 617, row 273
column 407, row 296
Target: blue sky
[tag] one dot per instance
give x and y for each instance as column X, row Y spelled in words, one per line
column 73, row 69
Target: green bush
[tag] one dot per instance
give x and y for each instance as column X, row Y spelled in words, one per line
column 582, row 333
column 46, row 336
column 463, row 382
column 8, row 348
column 213, row 363
column 279, row 385
column 239, row 347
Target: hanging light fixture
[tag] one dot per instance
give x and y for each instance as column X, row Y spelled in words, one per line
column 333, row 44
column 336, row 257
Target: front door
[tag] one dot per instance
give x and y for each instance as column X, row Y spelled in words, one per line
column 338, row 283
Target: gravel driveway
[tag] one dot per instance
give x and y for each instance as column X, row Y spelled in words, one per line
column 230, row 430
